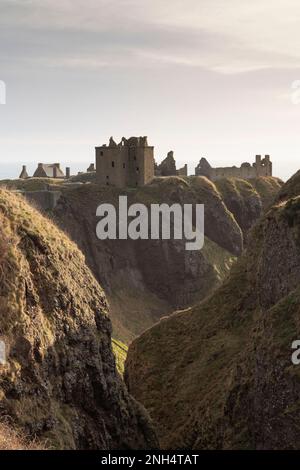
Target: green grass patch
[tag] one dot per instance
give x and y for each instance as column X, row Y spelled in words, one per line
column 120, row 351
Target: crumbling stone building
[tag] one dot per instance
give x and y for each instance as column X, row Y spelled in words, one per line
column 168, row 167
column 127, row 164
column 261, row 167
column 46, row 170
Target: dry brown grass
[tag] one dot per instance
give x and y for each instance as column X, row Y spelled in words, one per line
column 11, row 439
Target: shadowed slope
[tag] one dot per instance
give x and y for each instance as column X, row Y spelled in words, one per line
column 219, row 375
column 60, row 382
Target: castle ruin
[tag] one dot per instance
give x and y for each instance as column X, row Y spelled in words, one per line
column 127, row 164
column 168, row 167
column 261, row 167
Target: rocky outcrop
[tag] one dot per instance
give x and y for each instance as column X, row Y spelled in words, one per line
column 220, row 375
column 59, row 382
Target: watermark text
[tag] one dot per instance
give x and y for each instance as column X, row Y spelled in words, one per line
column 160, row 222
column 2, row 92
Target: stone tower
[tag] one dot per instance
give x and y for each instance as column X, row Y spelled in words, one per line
column 127, row 164
column 263, row 166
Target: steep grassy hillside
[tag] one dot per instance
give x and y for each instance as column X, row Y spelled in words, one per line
column 290, row 189
column 246, row 199
column 219, row 375
column 145, row 280
column 60, row 382
column 267, row 187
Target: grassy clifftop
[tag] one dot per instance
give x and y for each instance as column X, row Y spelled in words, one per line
column 264, row 188
column 60, row 382
column 219, row 375
column 30, row 184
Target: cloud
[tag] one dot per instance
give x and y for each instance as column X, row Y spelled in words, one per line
column 209, row 77
column 227, row 37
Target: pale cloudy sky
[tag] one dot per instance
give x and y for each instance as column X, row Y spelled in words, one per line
column 203, row 78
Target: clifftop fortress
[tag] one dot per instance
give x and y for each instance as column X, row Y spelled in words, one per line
column 130, row 163
column 261, row 167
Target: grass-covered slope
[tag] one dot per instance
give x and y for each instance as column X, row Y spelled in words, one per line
column 147, row 279
column 267, row 187
column 220, row 375
column 120, row 351
column 246, row 199
column 60, row 383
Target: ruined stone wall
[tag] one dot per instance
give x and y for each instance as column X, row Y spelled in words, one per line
column 261, row 167
column 227, row 172
column 44, row 200
column 168, row 167
column 182, row 171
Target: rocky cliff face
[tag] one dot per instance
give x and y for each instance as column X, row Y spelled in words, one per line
column 59, row 382
column 145, row 280
column 220, row 375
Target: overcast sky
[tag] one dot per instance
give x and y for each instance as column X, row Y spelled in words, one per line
column 206, row 78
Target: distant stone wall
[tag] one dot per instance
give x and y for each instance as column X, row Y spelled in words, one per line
column 261, row 167
column 244, row 172
column 182, row 171
column 45, row 200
